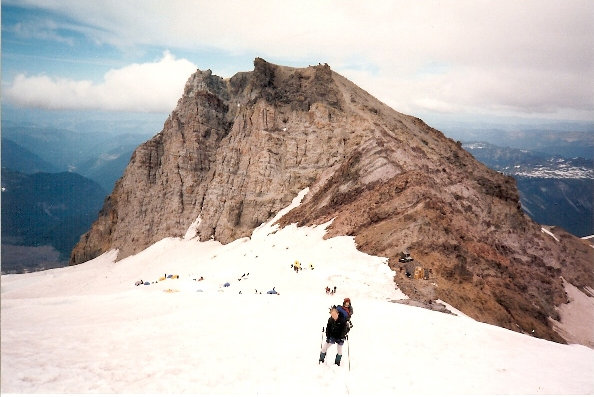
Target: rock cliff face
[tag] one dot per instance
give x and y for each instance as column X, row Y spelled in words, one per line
column 236, row 151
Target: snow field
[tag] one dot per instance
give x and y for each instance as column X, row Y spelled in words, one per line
column 88, row 329
column 145, row 341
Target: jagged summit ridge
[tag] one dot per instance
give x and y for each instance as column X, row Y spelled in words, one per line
column 207, row 150
column 235, row 151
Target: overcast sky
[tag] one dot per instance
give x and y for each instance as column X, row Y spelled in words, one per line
column 456, row 58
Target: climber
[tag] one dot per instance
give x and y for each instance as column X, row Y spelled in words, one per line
column 336, row 331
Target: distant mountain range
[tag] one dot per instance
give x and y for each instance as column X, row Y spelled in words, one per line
column 568, row 140
column 43, row 216
column 101, row 157
column 553, row 190
column 54, row 181
column 21, row 159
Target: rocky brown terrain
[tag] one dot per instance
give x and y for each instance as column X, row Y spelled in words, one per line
column 235, row 151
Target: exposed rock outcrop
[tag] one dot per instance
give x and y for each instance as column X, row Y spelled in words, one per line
column 236, row 151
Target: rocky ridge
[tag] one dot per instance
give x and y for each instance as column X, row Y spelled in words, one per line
column 235, row 151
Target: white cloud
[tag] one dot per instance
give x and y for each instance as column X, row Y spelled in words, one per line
column 148, row 87
column 531, row 56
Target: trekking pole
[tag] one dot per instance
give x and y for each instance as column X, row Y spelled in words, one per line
column 321, row 344
column 349, row 352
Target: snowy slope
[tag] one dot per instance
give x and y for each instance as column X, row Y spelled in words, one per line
column 88, row 328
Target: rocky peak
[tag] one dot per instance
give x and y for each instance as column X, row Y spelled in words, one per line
column 236, row 151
